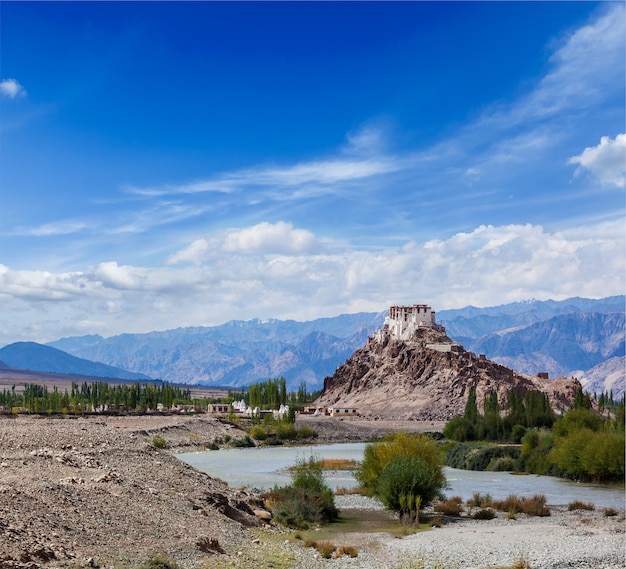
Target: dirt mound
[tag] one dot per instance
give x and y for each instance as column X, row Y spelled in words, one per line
column 97, row 491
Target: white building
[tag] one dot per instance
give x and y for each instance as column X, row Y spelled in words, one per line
column 403, row 321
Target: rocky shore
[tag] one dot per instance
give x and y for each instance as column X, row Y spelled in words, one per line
column 99, row 492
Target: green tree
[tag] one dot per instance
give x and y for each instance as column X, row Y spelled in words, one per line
column 404, row 449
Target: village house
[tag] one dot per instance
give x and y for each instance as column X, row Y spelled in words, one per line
column 219, row 408
column 342, row 411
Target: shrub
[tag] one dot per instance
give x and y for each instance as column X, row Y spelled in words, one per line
column 533, row 506
column 286, row 431
column 504, row 464
column 325, row 548
column 258, row 433
column 578, row 505
column 451, row 507
column 587, row 454
column 159, row 442
column 244, row 442
column 308, row 500
column 485, row 514
column 517, row 433
column 345, row 491
column 479, row 500
column 469, row 456
column 609, row 512
column 405, row 481
column 348, row 550
column 397, row 454
column 306, row 432
column 159, row 562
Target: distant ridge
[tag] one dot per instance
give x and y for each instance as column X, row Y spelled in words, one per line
column 37, row 357
column 239, row 352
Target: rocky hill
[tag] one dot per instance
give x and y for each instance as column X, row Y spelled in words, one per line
column 423, row 379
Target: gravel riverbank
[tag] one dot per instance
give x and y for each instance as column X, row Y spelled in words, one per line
column 97, row 492
column 565, row 540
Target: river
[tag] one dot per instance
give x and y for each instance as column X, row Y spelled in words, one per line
column 265, row 467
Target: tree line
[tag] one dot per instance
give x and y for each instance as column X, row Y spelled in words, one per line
column 85, row 397
column 582, row 444
column 522, row 412
column 272, row 393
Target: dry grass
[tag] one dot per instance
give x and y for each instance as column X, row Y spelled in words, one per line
column 450, row 507
column 513, row 505
column 325, row 549
column 578, row 505
column 348, row 550
column 344, row 491
column 337, row 464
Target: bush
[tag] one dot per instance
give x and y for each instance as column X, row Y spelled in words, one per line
column 348, row 550
column 517, row 433
column 159, row 562
column 413, row 467
column 159, row 442
column 405, row 484
column 609, row 512
column 286, row 431
column 479, row 500
column 451, row 507
column 597, row 456
column 258, row 433
column 325, row 549
column 468, row 456
column 308, row 500
column 485, row 514
column 306, row 432
column 578, row 505
column 533, row 506
column 244, row 442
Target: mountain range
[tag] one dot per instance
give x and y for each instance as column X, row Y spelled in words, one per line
column 576, row 336
column 37, row 357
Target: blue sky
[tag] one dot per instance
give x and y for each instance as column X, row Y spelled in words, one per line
column 174, row 164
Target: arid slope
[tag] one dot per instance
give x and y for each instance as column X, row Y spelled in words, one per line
column 408, row 380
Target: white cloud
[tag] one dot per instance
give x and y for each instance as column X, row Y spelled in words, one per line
column 361, row 158
column 607, row 161
column 486, row 266
column 279, row 238
column 11, row 88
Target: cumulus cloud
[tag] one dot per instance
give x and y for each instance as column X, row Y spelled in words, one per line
column 265, row 237
column 279, row 238
column 606, row 161
column 486, row 266
column 11, row 88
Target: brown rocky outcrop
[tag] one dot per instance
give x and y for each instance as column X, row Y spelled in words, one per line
column 421, row 380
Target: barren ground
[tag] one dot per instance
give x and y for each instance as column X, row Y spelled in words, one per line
column 95, row 491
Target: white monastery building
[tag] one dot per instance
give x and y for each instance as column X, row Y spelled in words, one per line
column 403, row 321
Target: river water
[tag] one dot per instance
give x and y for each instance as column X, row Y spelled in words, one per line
column 265, row 467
